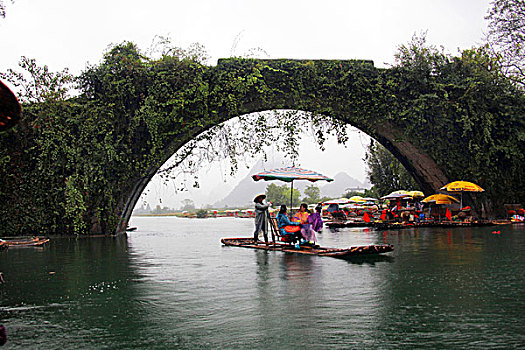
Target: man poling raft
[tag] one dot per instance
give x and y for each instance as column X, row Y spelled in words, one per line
column 261, row 217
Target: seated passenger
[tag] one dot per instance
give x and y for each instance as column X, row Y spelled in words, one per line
column 306, row 229
column 284, row 223
column 315, row 219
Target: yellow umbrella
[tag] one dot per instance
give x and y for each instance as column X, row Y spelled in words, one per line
column 412, row 194
column 357, row 199
column 415, row 194
column 462, row 186
column 400, row 192
column 440, row 199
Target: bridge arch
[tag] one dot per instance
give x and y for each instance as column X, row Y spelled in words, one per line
column 406, row 153
column 353, row 92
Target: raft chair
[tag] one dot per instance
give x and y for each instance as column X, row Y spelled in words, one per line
column 290, row 238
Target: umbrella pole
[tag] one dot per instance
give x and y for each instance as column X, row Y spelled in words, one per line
column 291, row 198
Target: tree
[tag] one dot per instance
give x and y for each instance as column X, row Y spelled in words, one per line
column 275, row 194
column 506, row 37
column 312, row 194
column 37, row 83
column 202, row 213
column 385, row 172
column 281, row 194
column 188, row 204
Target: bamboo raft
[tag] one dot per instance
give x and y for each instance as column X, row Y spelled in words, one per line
column 321, row 251
column 31, row 242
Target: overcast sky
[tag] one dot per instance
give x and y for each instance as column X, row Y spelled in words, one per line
column 68, row 33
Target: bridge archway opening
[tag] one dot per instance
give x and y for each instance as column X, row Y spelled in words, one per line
column 186, row 171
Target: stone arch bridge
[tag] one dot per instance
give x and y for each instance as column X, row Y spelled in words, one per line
column 94, row 159
column 354, row 92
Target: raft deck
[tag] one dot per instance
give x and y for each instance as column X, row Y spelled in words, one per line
column 321, row 251
column 31, row 242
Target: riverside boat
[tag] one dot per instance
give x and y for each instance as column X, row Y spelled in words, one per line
column 31, row 242
column 321, row 251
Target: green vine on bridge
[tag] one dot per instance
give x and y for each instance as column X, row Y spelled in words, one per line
column 73, row 162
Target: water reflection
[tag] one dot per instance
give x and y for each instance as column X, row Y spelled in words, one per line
column 446, row 285
column 370, row 260
column 85, row 287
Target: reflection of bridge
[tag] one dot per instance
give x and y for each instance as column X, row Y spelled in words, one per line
column 427, row 126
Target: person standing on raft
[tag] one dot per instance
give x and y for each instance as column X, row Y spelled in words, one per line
column 261, row 217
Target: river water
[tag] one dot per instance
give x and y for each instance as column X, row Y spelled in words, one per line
column 172, row 285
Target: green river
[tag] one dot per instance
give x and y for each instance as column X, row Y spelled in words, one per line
column 172, row 285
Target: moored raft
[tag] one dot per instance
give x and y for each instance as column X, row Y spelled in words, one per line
column 30, row 242
column 372, row 249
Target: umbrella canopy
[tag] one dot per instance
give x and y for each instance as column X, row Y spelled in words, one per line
column 395, row 196
column 357, row 199
column 404, row 194
column 351, row 206
column 462, row 186
column 440, row 199
column 400, row 192
column 337, row 201
column 290, row 174
column 415, row 194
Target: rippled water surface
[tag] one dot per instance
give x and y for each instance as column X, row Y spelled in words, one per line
column 171, row 285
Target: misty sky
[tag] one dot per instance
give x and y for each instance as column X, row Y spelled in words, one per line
column 65, row 33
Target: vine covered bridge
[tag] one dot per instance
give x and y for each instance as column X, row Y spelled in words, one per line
column 85, row 161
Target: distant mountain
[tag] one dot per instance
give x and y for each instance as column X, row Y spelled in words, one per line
column 242, row 195
column 341, row 183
